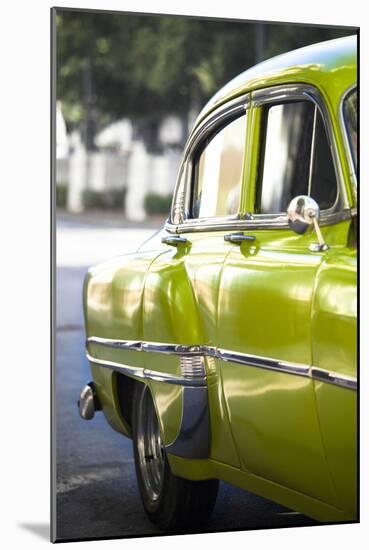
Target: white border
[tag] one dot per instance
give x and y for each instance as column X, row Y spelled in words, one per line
column 24, row 279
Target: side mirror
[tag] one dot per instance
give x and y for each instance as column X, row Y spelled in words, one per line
column 302, row 212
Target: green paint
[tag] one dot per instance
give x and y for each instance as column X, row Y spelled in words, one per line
column 285, row 437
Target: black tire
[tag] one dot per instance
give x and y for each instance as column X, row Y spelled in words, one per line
column 171, row 503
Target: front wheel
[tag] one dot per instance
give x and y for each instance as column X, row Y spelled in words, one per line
column 171, row 502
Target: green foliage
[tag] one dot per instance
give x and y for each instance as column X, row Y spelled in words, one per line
column 157, row 204
column 143, row 66
column 61, row 195
column 106, row 200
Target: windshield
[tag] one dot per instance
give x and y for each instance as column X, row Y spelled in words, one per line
column 350, row 116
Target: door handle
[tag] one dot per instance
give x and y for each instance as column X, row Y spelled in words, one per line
column 239, row 238
column 174, row 240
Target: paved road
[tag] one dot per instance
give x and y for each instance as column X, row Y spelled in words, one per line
column 97, row 495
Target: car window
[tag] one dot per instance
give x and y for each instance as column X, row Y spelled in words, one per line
column 323, row 187
column 217, row 172
column 350, row 116
column 295, row 158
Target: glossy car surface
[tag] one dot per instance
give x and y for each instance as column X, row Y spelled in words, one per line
column 242, row 330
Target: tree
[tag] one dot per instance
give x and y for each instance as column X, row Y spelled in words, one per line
column 111, row 65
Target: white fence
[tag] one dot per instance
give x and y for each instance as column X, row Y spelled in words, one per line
column 134, row 170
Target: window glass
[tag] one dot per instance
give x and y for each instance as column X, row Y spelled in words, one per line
column 296, row 158
column 218, row 172
column 285, row 166
column 323, row 188
column 350, row 114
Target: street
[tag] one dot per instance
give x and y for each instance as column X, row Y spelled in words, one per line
column 97, row 494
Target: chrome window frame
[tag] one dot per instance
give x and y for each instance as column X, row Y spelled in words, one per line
column 219, row 118
column 271, row 95
column 346, row 141
column 208, row 126
column 279, row 96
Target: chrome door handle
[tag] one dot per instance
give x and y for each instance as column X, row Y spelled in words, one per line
column 174, row 240
column 239, row 238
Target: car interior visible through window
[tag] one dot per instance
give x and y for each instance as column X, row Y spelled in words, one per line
column 218, row 172
column 295, row 158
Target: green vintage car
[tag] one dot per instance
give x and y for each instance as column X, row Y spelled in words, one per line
column 226, row 346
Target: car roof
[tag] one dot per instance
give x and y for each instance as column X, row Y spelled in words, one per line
column 315, row 64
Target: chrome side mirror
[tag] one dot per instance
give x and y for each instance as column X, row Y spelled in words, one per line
column 302, row 212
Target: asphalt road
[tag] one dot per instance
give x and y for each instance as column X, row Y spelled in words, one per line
column 97, row 494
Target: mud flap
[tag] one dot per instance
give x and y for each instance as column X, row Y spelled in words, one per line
column 193, row 439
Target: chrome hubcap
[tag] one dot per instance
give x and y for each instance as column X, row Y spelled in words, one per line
column 150, row 448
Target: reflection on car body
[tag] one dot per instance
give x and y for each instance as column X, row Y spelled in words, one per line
column 226, row 346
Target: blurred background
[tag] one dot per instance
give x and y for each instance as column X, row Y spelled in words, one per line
column 128, row 89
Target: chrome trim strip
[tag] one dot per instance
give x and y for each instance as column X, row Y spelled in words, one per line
column 120, row 367
column 257, row 361
column 222, row 108
column 287, row 367
column 173, row 379
column 334, row 378
column 281, row 93
column 171, row 349
column 140, row 372
column 117, row 344
column 264, row 363
column 154, row 347
column 220, row 113
column 258, row 221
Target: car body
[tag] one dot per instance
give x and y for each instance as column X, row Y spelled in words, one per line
column 239, row 325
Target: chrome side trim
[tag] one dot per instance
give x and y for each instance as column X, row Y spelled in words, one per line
column 154, row 347
column 287, row 367
column 334, row 378
column 116, row 344
column 258, row 221
column 196, row 369
column 264, row 363
column 140, row 372
column 171, row 349
column 119, row 367
column 172, row 379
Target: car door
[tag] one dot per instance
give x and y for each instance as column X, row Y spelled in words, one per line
column 334, row 332
column 266, row 294
column 181, row 287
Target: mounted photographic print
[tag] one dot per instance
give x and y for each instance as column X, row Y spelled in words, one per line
column 204, row 346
